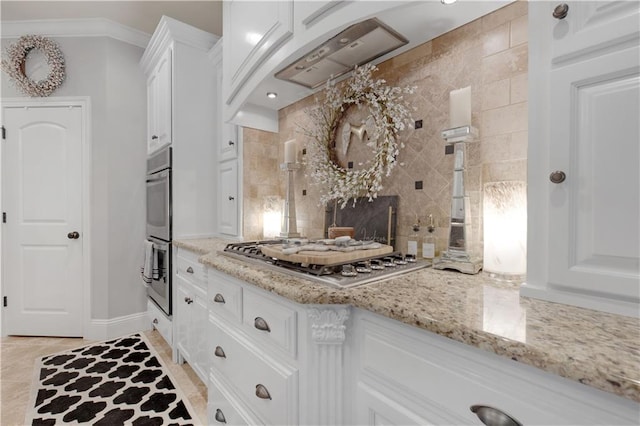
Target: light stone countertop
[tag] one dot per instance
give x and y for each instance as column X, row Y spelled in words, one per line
column 597, row 349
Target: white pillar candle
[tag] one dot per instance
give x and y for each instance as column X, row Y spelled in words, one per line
column 460, row 107
column 290, row 149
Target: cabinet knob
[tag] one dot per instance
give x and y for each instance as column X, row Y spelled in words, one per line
column 231, row 143
column 561, row 11
column 154, row 137
column 262, row 392
column 73, row 235
column 155, row 321
column 190, row 270
column 261, row 324
column 557, row 177
column 219, row 416
column 231, row 198
column 188, row 300
column 218, row 298
column 219, row 352
column 493, row 417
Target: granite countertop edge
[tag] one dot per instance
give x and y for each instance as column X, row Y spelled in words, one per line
column 605, row 375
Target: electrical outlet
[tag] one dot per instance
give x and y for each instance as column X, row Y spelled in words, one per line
column 418, row 184
column 448, row 149
column 418, row 124
column 304, row 151
column 304, row 192
column 350, row 165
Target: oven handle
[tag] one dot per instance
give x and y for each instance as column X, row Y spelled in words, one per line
column 158, row 176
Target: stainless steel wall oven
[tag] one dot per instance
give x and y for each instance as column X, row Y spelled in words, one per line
column 159, row 225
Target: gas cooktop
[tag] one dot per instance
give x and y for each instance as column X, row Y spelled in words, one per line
column 343, row 275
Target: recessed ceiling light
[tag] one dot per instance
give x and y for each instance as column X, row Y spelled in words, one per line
column 272, row 95
column 448, row 1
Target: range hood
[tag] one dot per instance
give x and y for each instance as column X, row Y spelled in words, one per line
column 358, row 44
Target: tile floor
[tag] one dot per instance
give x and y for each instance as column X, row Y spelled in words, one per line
column 17, row 359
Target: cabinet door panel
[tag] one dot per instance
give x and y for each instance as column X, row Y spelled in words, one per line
column 183, row 319
column 164, row 99
column 228, row 198
column 229, row 142
column 594, row 213
column 201, row 343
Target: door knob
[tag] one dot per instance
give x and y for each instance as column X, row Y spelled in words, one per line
column 561, row 11
column 73, row 235
column 558, row 176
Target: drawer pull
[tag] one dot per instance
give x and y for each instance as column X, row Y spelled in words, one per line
column 218, row 298
column 493, row 417
column 188, row 300
column 261, row 324
column 190, row 270
column 219, row 416
column 262, row 392
column 219, row 352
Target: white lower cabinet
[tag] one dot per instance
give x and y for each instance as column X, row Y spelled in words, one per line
column 191, row 312
column 275, row 362
column 407, row 376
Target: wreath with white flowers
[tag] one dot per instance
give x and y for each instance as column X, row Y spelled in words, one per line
column 389, row 112
column 15, row 65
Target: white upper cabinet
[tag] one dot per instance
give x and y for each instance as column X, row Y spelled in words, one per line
column 253, row 31
column 228, row 199
column 159, row 104
column 584, row 183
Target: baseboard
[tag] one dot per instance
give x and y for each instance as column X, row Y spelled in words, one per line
column 115, row 327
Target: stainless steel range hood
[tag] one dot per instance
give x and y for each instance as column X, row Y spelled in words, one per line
column 358, row 44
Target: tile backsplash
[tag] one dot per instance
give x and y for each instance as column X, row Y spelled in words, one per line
column 489, row 54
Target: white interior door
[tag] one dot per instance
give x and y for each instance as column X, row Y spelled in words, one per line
column 42, row 197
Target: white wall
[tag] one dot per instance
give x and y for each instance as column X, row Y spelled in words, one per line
column 107, row 71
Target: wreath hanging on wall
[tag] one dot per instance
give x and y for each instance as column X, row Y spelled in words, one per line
column 389, row 113
column 15, row 65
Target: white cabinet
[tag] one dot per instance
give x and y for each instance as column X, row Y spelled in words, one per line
column 253, row 377
column 408, row 376
column 584, row 181
column 253, row 31
column 160, row 322
column 159, row 104
column 228, row 147
column 181, row 112
column 228, row 199
column 191, row 313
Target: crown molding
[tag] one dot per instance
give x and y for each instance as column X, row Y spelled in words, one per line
column 93, row 27
column 215, row 53
column 170, row 30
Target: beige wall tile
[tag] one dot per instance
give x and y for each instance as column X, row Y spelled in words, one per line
column 519, row 30
column 505, row 64
column 505, row 14
column 496, row 40
column 509, row 119
column 496, row 94
column 519, row 88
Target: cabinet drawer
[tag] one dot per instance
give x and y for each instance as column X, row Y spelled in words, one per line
column 225, row 297
column 270, row 321
column 188, row 267
column 224, row 407
column 160, row 322
column 269, row 388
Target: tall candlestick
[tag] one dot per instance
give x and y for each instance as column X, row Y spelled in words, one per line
column 460, row 107
column 290, row 148
column 289, row 223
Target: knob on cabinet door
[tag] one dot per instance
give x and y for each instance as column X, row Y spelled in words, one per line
column 220, row 416
column 557, row 177
column 73, row 235
column 561, row 11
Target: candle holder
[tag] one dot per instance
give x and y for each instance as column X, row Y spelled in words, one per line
column 458, row 255
column 289, row 227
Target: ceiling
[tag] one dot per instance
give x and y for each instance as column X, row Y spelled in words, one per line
column 140, row 15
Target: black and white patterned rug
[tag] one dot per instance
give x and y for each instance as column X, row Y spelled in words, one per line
column 121, row 381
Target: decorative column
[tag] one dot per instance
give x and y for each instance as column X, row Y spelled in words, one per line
column 328, row 329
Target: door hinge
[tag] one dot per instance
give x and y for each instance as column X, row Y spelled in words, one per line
column 4, row 301
column 4, row 217
column 4, row 133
